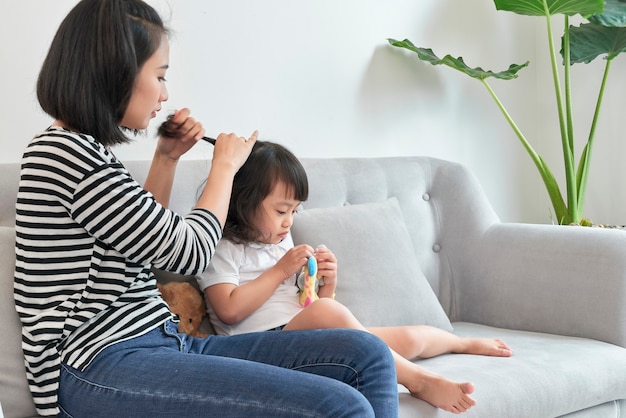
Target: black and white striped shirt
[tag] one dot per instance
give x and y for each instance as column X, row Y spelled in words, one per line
column 86, row 237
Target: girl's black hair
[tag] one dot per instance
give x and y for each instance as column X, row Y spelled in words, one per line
column 268, row 164
column 88, row 76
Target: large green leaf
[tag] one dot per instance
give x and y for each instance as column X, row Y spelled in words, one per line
column 587, row 41
column 585, row 8
column 614, row 14
column 427, row 54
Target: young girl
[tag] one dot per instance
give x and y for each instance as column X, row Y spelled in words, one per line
column 98, row 339
column 250, row 284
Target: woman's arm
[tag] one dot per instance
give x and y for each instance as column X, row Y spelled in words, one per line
column 168, row 151
column 160, row 178
column 230, row 153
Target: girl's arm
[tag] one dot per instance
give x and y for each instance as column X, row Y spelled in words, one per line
column 233, row 303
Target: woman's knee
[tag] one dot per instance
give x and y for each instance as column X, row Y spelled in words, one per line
column 365, row 344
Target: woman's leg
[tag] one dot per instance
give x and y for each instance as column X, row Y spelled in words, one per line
column 161, row 375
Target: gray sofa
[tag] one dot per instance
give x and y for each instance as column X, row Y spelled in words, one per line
column 418, row 242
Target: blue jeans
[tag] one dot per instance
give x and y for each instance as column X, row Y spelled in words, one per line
column 333, row 372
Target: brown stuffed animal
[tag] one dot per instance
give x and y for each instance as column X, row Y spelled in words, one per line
column 185, row 301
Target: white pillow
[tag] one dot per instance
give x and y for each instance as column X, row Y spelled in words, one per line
column 379, row 278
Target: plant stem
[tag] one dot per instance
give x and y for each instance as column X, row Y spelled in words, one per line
column 568, row 90
column 568, row 158
column 507, row 116
column 583, row 165
column 549, row 181
column 575, row 207
column 596, row 114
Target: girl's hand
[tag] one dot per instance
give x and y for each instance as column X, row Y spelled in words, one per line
column 292, row 262
column 326, row 265
column 185, row 132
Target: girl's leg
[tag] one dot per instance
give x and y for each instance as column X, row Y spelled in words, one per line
column 324, row 313
column 425, row 341
column 161, row 374
column 436, row 390
column 409, row 341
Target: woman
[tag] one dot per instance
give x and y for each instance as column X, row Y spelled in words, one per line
column 98, row 339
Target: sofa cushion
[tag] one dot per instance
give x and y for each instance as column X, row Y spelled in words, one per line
column 371, row 243
column 15, row 395
column 547, row 376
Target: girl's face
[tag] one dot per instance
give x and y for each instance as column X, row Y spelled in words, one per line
column 149, row 89
column 275, row 215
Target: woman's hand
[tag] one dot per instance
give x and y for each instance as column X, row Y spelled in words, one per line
column 182, row 133
column 233, row 149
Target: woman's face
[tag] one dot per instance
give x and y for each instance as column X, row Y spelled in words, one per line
column 149, row 89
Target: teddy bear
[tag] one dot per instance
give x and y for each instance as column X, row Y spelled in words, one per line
column 187, row 302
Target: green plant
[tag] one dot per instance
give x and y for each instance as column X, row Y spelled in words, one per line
column 604, row 33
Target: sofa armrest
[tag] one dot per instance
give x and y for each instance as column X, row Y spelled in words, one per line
column 556, row 279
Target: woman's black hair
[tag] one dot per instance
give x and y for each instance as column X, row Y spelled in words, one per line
column 268, row 164
column 88, row 76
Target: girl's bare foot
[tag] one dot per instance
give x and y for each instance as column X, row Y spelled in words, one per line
column 444, row 394
column 486, row 347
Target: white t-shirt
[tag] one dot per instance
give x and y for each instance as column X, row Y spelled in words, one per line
column 240, row 263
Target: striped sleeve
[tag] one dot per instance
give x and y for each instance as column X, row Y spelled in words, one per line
column 138, row 227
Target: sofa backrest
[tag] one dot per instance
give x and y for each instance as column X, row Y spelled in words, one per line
column 444, row 206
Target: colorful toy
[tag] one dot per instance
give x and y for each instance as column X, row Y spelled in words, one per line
column 308, row 291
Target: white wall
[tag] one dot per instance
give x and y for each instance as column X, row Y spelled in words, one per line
column 319, row 77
